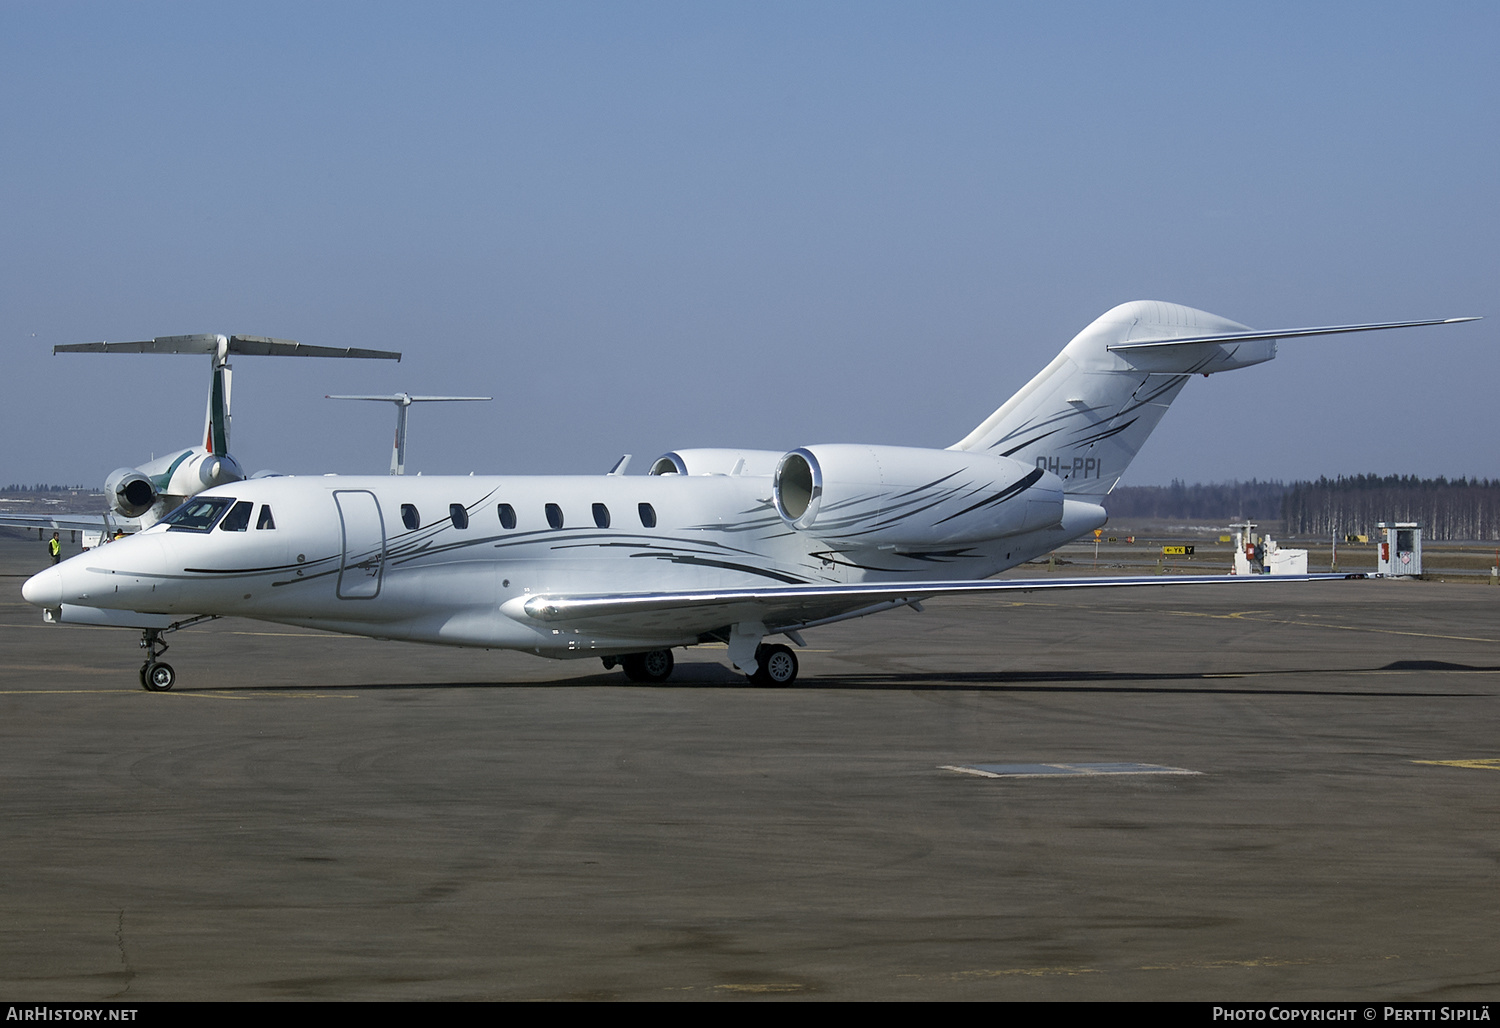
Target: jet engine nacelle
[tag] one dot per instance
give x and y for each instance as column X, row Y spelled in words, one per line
column 706, row 461
column 898, row 496
column 218, row 469
column 130, row 493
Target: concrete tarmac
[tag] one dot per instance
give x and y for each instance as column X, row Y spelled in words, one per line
column 315, row 817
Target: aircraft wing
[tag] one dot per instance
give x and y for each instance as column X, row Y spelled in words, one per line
column 70, row 522
column 795, row 607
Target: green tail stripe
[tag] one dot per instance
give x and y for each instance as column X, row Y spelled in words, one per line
column 160, row 482
column 218, row 437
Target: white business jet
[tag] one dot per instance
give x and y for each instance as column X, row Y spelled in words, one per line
column 138, row 497
column 732, row 546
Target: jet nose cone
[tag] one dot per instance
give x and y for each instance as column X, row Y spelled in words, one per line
column 45, row 589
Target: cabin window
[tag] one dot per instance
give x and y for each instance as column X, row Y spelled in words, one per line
column 648, row 515
column 197, row 515
column 238, row 518
column 458, row 515
column 410, row 518
column 601, row 515
column 507, row 516
column 554, row 515
column 265, row 520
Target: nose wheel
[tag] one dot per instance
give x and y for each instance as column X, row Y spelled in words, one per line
column 156, row 675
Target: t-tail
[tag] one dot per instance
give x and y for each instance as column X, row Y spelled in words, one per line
column 152, row 489
column 1089, row 412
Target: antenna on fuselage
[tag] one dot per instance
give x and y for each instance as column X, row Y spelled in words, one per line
column 403, row 402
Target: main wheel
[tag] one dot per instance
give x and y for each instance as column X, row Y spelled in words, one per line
column 652, row 666
column 778, row 665
column 158, row 677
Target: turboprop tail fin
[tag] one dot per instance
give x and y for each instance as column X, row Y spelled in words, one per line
column 1089, row 412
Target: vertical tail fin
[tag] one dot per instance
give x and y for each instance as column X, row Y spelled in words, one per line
column 216, row 428
column 1089, row 412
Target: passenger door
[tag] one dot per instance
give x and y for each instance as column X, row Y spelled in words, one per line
column 364, row 544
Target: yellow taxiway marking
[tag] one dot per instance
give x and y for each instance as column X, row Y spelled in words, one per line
column 61, row 692
column 769, row 987
column 256, row 694
column 725, row 646
column 1483, row 763
column 217, row 694
column 1042, row 972
column 281, row 635
column 301, row 635
column 1029, row 972
column 1213, row 964
column 1251, row 615
column 1254, row 616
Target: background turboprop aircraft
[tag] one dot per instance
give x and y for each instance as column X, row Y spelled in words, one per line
column 710, row 545
column 137, row 497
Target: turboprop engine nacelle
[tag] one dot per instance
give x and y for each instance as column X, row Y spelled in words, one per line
column 130, row 493
column 898, row 496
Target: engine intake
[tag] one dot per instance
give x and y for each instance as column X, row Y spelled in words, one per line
column 130, row 493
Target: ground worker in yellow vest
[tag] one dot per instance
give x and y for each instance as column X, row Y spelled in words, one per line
column 54, row 547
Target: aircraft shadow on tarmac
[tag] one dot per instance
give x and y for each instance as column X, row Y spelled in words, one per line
column 718, row 676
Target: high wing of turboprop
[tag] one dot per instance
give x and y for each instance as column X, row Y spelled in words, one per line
column 733, row 546
column 138, row 496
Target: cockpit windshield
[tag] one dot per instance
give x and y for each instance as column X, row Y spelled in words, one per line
column 198, row 514
column 238, row 518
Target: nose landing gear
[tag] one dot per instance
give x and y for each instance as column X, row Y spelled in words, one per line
column 156, row 675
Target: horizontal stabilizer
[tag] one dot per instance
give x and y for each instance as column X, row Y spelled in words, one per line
column 405, row 398
column 262, row 346
column 1285, row 333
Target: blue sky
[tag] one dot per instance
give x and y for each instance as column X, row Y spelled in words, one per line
column 647, row 226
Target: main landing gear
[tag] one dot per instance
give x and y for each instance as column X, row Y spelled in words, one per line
column 651, row 666
column 777, row 665
column 156, row 675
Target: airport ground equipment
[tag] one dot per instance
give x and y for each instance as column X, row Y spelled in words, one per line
column 1400, row 552
column 1261, row 555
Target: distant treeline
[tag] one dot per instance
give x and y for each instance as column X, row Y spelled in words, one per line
column 1216, row 501
column 1448, row 509
column 1459, row 509
column 42, row 488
